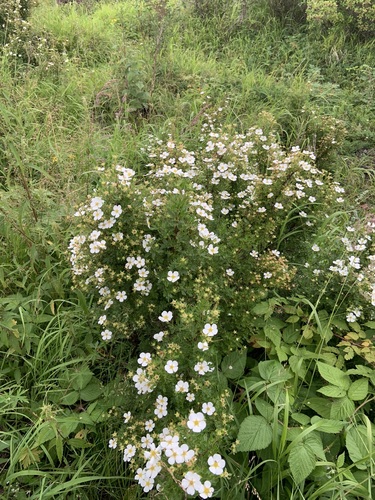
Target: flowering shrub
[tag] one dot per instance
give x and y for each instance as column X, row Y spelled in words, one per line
column 177, row 257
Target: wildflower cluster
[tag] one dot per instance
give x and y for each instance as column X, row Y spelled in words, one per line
column 176, row 258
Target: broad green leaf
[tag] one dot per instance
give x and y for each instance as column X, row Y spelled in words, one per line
column 233, row 365
column 273, row 333
column 273, row 371
column 301, row 461
column 333, row 375
column 255, row 434
column 358, row 390
column 79, row 443
column 81, row 378
column 91, row 391
column 70, row 398
column 320, row 406
column 327, row 425
column 358, row 446
column 262, row 308
column 264, row 408
column 370, row 324
column 332, row 391
column 293, row 319
column 314, row 441
column 301, row 418
column 342, row 408
column 46, row 433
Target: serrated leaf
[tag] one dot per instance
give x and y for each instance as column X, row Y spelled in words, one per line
column 358, row 390
column 262, row 308
column 328, row 425
column 264, row 408
column 255, row 434
column 320, row 406
column 81, row 378
column 79, row 443
column 314, row 441
column 301, row 461
column 340, row 460
column 332, row 391
column 59, row 447
column 301, row 418
column 233, row 365
column 273, row 333
column 293, row 319
column 273, row 371
column 70, row 398
column 342, row 408
column 333, row 375
column 91, row 391
column 358, row 446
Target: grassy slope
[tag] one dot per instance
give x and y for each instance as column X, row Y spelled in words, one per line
column 121, row 71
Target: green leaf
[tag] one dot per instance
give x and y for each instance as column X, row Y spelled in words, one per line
column 79, row 443
column 273, row 371
column 314, row 441
column 264, row 408
column 301, row 418
column 273, row 333
column 333, row 375
column 70, row 398
column 358, row 390
column 262, row 308
column 46, row 433
column 358, row 446
column 332, row 391
column 320, row 406
column 81, row 378
column 255, row 434
column 59, row 447
column 301, row 461
column 370, row 324
column 91, row 391
column 292, row 319
column 340, row 460
column 328, row 425
column 342, row 408
column 233, row 365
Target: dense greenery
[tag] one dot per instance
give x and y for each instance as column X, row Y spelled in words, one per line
column 187, row 254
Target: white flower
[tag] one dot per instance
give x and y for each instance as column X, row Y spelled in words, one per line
column 206, row 490
column 210, row 330
column 315, row 248
column 112, row 443
column 267, row 275
column 149, row 425
column 216, row 464
column 191, row 483
column 229, row 272
column 208, row 408
column 351, row 318
column 212, row 250
column 173, row 276
column 203, row 367
column 182, row 386
column 144, row 358
column 190, row 397
column 196, row 422
column 159, row 336
column 166, row 316
column 96, row 203
column 129, row 452
column 203, row 346
column 184, row 454
column 117, row 211
column 102, row 320
column 121, row 296
column 279, row 206
column 106, row 334
column 171, row 366
column 127, row 416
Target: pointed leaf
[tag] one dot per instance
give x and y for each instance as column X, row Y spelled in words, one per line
column 333, row 375
column 358, row 446
column 233, row 365
column 358, row 390
column 342, row 408
column 332, row 391
column 302, row 462
column 255, row 434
